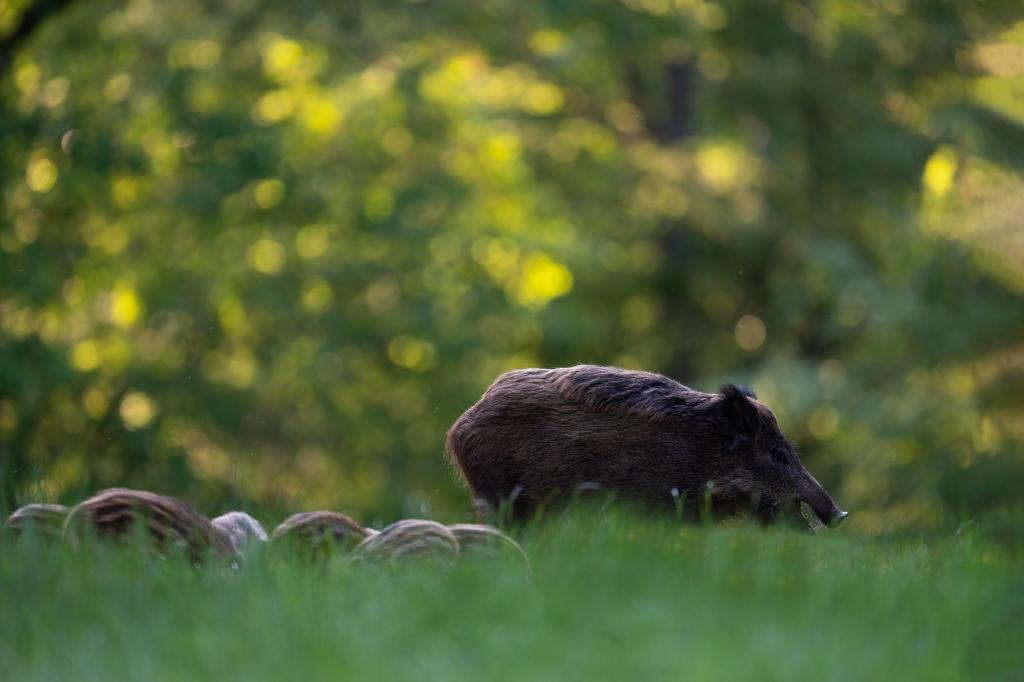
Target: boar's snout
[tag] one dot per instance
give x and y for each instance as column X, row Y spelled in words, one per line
column 837, row 518
column 810, row 492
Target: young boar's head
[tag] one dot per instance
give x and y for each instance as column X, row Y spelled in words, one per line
column 768, row 462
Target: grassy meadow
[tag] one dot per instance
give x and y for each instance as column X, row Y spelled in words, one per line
column 263, row 255
column 609, row 598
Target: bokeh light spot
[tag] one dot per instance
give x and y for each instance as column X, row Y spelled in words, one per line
column 137, row 410
column 26, row 78
column 939, row 171
column 412, row 353
column 713, row 64
column 273, row 107
column 625, row 116
column 823, row 422
column 383, row 294
column 542, row 280
column 397, row 141
column 125, row 305
column 236, row 367
column 719, row 167
column 41, row 174
column 311, row 241
column 117, row 88
column 501, row 149
column 204, row 54
column 543, row 99
column 266, row 256
column 548, row 42
column 95, row 402
column 268, row 193
column 710, row 16
column 233, row 319
column 321, row 116
column 317, row 294
column 73, row 291
column 379, row 203
column 750, row 332
column 282, row 57
column 85, row 356
column 55, row 91
column 124, row 192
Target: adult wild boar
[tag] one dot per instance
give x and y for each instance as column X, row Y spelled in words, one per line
column 538, row 435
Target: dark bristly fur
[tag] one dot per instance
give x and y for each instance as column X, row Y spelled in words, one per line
column 166, row 521
column 539, row 435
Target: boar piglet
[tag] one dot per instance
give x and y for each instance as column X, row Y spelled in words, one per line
column 538, row 435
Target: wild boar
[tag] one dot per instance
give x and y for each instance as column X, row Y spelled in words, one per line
column 319, row 533
column 537, row 436
column 46, row 520
column 120, row 514
column 410, row 539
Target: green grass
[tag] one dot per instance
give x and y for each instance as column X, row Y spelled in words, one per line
column 610, row 598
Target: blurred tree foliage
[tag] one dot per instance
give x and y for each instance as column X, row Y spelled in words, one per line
column 268, row 253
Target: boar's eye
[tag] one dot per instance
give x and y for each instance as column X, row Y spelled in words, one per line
column 780, row 455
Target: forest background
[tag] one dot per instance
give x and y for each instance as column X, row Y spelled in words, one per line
column 263, row 256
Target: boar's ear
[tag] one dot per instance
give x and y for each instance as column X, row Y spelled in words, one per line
column 739, row 409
